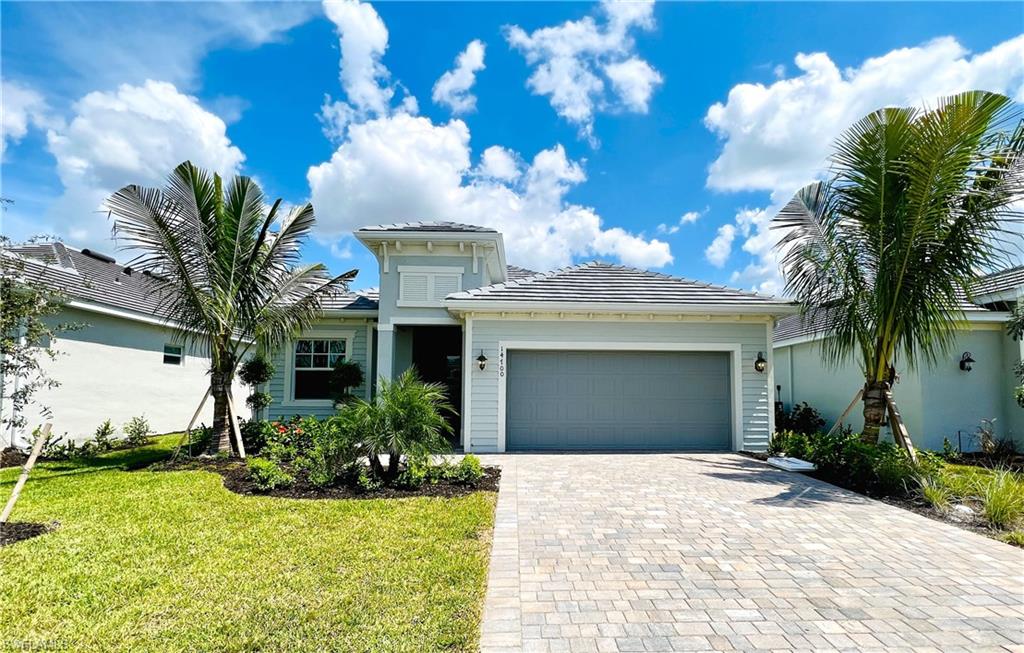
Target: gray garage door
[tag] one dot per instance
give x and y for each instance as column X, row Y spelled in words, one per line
column 620, row 400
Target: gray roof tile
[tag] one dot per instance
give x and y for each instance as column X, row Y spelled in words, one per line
column 597, row 283
column 999, row 281
column 441, row 226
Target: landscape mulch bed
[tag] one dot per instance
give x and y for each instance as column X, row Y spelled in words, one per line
column 11, row 457
column 236, row 478
column 12, row 532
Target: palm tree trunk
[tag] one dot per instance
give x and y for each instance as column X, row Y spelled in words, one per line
column 221, row 440
column 874, row 410
column 393, row 460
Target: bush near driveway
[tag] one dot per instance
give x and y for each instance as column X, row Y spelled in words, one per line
column 171, row 561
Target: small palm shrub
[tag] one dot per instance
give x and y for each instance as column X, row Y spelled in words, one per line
column 137, row 431
column 1002, row 499
column 404, row 421
column 267, row 475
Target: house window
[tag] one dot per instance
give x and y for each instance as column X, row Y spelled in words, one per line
column 314, row 360
column 173, row 355
column 426, row 286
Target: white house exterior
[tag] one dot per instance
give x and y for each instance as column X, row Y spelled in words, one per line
column 594, row 356
column 123, row 361
column 937, row 401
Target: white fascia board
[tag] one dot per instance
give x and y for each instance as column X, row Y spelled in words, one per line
column 489, row 306
column 1008, row 295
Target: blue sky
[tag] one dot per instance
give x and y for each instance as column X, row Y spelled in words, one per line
column 663, row 136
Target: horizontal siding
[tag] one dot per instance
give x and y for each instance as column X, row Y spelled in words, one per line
column 282, row 406
column 486, row 334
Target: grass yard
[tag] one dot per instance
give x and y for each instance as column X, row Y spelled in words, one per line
column 166, row 561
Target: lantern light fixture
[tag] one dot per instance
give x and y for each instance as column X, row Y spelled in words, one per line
column 966, row 361
column 760, row 365
column 481, row 360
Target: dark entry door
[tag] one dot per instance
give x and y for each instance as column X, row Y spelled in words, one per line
column 437, row 356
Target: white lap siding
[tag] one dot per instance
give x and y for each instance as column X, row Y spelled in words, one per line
column 487, row 334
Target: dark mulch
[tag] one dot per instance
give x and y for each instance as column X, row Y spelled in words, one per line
column 12, row 532
column 236, row 479
column 11, row 457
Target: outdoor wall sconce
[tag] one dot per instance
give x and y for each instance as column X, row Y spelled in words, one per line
column 481, row 360
column 760, row 364
column 966, row 361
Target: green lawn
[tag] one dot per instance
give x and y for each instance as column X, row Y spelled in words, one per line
column 168, row 561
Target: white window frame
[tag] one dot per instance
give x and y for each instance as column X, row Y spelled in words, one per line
column 181, row 355
column 431, row 272
column 289, row 365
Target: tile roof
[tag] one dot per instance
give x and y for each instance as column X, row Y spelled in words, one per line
column 81, row 275
column 441, row 226
column 516, row 273
column 598, row 283
column 1000, row 281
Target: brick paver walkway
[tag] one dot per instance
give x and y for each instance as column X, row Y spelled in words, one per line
column 673, row 552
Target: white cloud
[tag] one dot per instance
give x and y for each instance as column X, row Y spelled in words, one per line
column 634, row 80
column 452, row 88
column 571, row 62
column 778, row 137
column 499, row 163
column 687, row 218
column 720, row 248
column 21, row 107
column 136, row 134
column 404, row 167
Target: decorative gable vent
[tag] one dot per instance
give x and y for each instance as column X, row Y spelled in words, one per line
column 427, row 286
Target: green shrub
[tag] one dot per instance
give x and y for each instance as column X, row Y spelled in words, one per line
column 791, row 443
column 257, row 401
column 1002, row 499
column 468, row 471
column 137, row 431
column 346, row 375
column 102, row 440
column 415, row 474
column 1016, row 538
column 267, row 475
column 328, row 451
column 800, row 419
column 255, row 371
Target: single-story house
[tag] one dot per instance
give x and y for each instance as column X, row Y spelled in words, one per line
column 947, row 399
column 124, row 361
column 592, row 357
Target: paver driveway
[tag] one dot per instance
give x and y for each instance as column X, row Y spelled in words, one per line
column 666, row 552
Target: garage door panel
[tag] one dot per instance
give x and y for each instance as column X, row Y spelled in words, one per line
column 607, row 400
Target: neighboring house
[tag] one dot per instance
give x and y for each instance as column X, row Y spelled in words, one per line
column 124, row 361
column 593, row 356
column 940, row 400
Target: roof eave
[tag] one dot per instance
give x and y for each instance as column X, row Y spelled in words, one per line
column 494, row 306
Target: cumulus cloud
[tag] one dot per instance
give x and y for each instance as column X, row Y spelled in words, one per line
column 21, row 108
column 572, row 62
column 720, row 248
column 136, row 134
column 499, row 163
column 778, row 137
column 403, row 167
column 687, row 218
column 452, row 88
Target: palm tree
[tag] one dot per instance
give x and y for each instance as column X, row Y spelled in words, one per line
column 226, row 278
column 884, row 252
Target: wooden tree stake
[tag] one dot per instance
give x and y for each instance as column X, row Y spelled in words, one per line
column 899, row 429
column 839, row 422
column 188, row 431
column 234, row 426
column 37, row 448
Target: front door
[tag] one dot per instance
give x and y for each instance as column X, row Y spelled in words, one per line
column 437, row 356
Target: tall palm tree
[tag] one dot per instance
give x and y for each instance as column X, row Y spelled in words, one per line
column 227, row 278
column 884, row 252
